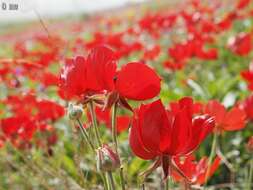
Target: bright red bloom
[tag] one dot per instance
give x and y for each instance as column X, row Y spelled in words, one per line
column 195, row 171
column 232, row 120
column 240, row 44
column 97, row 73
column 156, row 132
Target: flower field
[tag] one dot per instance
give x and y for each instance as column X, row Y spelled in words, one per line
column 156, row 96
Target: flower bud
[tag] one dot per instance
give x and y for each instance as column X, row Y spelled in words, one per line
column 107, row 160
column 74, row 112
column 249, row 145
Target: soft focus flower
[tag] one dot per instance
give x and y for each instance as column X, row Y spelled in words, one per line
column 156, row 132
column 232, row 120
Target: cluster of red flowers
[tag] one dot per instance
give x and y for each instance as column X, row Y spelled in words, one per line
column 168, row 135
column 30, row 116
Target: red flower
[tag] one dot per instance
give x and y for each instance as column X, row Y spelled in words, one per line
column 240, row 44
column 195, row 171
column 232, row 120
column 159, row 133
column 97, row 73
column 21, row 128
column 48, row 110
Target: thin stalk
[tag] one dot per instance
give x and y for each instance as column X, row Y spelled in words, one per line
column 105, row 181
column 85, row 135
column 112, row 184
column 114, row 127
column 250, row 175
column 94, row 122
column 115, row 142
column 212, row 154
column 122, row 180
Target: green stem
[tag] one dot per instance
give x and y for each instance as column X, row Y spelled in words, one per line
column 104, row 181
column 122, row 180
column 111, row 181
column 250, row 175
column 114, row 127
column 212, row 154
column 95, row 125
column 167, row 184
column 85, row 135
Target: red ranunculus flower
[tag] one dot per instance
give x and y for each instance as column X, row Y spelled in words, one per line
column 232, row 120
column 159, row 133
column 195, row 171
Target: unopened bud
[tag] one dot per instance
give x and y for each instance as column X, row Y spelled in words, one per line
column 107, row 160
column 250, row 145
column 75, row 112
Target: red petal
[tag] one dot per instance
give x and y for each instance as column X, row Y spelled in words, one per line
column 201, row 127
column 136, row 145
column 181, row 132
column 152, row 117
column 137, row 81
column 101, row 68
column 234, row 119
column 217, row 110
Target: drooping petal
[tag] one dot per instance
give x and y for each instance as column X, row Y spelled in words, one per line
column 137, row 81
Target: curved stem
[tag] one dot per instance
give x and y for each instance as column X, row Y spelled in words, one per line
column 94, row 122
column 85, row 134
column 212, row 154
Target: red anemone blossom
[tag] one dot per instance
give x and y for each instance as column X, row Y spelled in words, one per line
column 196, row 171
column 232, row 120
column 97, row 74
column 162, row 134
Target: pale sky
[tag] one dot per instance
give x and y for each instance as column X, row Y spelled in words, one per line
column 52, row 8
